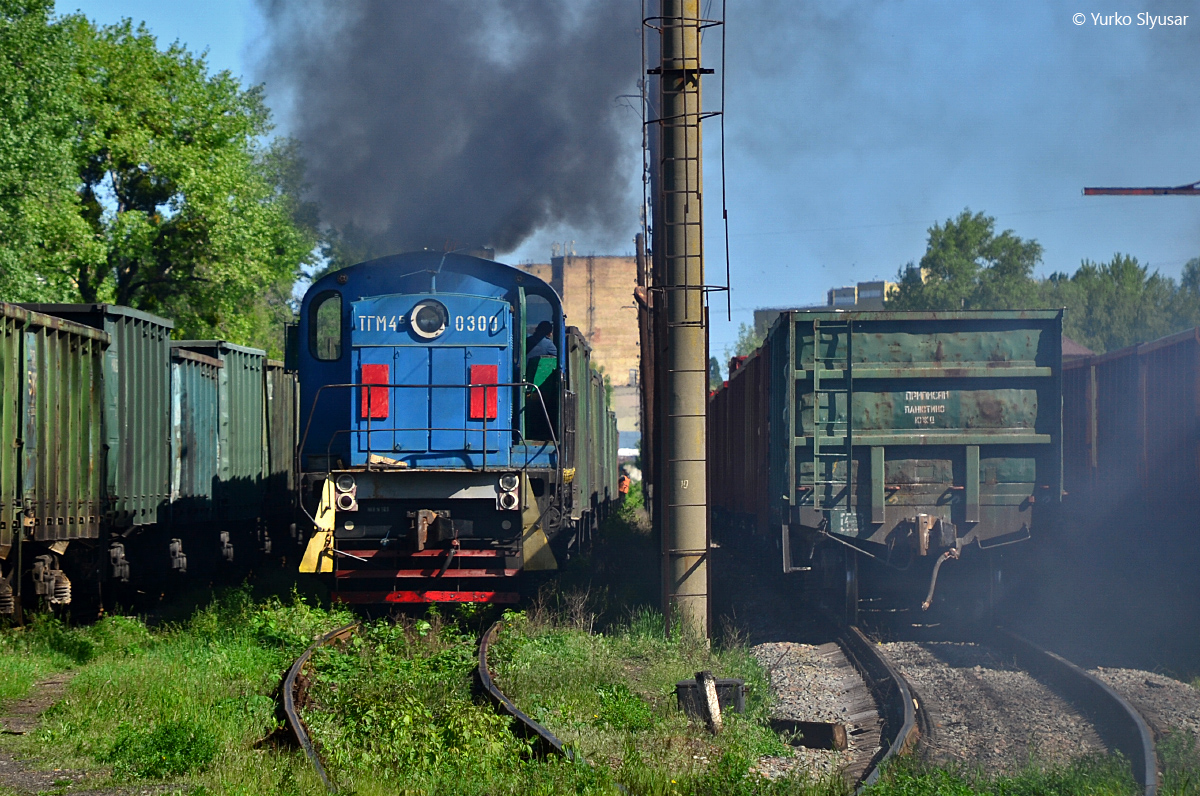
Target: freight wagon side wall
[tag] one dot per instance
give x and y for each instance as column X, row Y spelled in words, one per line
column 953, row 415
column 1078, row 434
column 242, row 429
column 12, row 373
column 1169, row 373
column 1132, row 440
column 738, row 419
column 63, row 494
column 195, row 421
column 582, row 440
column 137, row 394
column 282, row 396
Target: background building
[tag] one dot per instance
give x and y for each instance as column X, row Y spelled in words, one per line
column 866, row 296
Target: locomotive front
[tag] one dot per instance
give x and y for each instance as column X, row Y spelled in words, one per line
column 430, row 416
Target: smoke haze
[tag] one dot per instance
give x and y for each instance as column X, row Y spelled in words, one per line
column 460, row 122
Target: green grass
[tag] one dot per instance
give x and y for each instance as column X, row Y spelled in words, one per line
column 394, row 712
column 187, row 703
column 190, row 706
column 1179, row 753
column 1098, row 775
column 599, row 693
column 23, row 663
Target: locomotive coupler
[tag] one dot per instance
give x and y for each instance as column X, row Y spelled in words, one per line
column 931, row 532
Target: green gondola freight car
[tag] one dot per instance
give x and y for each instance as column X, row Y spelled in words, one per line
column 12, row 380
column 195, row 423
column 590, row 440
column 238, row 495
column 906, row 437
column 283, row 407
column 137, row 393
column 53, row 492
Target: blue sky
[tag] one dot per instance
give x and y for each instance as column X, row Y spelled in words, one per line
column 853, row 126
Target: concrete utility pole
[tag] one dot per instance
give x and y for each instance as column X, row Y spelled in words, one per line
column 685, row 485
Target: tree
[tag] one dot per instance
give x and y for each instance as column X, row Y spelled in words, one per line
column 41, row 230
column 1108, row 305
column 967, row 266
column 132, row 175
column 1120, row 303
column 192, row 209
column 714, row 373
column 748, row 341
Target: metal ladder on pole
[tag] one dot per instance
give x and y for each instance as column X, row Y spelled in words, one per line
column 832, row 490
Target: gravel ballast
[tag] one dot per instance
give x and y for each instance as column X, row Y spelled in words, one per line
column 1167, row 705
column 815, row 683
column 985, row 712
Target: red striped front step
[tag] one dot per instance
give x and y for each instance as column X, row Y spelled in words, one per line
column 429, row 596
column 376, row 553
column 426, row 573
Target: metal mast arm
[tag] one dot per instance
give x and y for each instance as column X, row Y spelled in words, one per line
column 1180, row 190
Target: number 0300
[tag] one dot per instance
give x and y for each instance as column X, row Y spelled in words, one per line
column 476, row 323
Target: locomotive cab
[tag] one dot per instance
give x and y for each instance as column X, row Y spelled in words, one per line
column 431, row 450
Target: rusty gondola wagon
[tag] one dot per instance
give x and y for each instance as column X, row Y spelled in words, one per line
column 122, row 468
column 873, row 448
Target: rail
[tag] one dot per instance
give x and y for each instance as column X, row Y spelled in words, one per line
column 1117, row 722
column 292, row 717
column 546, row 742
column 892, row 695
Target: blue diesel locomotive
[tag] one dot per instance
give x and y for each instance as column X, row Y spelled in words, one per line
column 440, row 397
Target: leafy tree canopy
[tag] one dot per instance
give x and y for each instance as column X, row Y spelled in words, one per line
column 1108, row 305
column 40, row 223
column 157, row 185
column 968, row 266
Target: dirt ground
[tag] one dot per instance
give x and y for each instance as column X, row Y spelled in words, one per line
column 30, row 776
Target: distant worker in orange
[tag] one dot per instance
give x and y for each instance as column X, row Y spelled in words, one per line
column 623, row 486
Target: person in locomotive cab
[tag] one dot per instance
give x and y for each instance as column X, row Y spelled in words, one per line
column 541, row 342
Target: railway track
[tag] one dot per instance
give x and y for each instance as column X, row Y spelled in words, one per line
column 994, row 699
column 987, row 701
column 976, row 701
column 294, row 684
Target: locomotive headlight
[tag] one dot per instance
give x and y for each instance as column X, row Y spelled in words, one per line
column 345, row 482
column 509, row 501
column 509, row 482
column 429, row 319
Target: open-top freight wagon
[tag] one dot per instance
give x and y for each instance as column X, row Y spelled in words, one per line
column 124, row 457
column 898, row 441
column 1132, row 433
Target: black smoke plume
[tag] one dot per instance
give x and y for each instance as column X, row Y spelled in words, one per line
column 435, row 122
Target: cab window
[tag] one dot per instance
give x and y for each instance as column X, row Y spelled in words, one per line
column 325, row 326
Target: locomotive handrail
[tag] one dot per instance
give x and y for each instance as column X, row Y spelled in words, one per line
column 482, row 469
column 521, row 436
